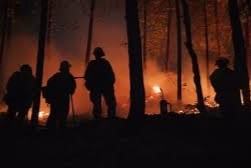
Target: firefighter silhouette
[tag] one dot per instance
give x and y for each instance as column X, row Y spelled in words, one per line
column 99, row 80
column 58, row 91
column 226, row 85
column 20, row 92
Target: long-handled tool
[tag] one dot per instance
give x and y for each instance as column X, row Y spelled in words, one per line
column 73, row 111
column 79, row 77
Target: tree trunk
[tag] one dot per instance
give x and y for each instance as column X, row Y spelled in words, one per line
column 3, row 42
column 40, row 62
column 145, row 34
column 207, row 46
column 217, row 27
column 195, row 66
column 90, row 30
column 247, row 41
column 240, row 63
column 11, row 13
column 50, row 22
column 168, row 38
column 51, row 4
column 249, row 5
column 179, row 53
column 137, row 91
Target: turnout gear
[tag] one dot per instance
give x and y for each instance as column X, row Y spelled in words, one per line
column 20, row 92
column 226, row 85
column 57, row 92
column 99, row 80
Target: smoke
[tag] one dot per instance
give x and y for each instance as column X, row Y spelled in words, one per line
column 110, row 34
column 24, row 50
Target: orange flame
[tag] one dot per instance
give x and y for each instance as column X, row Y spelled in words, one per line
column 156, row 89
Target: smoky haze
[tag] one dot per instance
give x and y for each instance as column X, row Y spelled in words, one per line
column 69, row 42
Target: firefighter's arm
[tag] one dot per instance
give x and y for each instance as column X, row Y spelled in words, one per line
column 88, row 76
column 111, row 72
column 73, row 85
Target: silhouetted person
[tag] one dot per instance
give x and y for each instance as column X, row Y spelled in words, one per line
column 100, row 79
column 226, row 85
column 59, row 89
column 20, row 92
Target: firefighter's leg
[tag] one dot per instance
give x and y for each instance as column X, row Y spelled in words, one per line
column 96, row 100
column 52, row 119
column 22, row 112
column 11, row 112
column 63, row 115
column 110, row 102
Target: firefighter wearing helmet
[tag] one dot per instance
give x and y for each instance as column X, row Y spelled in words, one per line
column 20, row 92
column 99, row 80
column 58, row 91
column 226, row 85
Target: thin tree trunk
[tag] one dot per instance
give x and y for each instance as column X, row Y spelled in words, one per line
column 207, row 47
column 217, row 27
column 50, row 23
column 40, row 61
column 11, row 12
column 249, row 4
column 90, row 30
column 3, row 40
column 145, row 34
column 137, row 91
column 195, row 66
column 50, row 27
column 240, row 63
column 247, row 40
column 179, row 53
column 168, row 38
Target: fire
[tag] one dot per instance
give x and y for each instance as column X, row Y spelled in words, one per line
column 180, row 112
column 156, row 89
column 41, row 114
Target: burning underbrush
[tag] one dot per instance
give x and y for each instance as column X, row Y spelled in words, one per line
column 158, row 85
column 157, row 88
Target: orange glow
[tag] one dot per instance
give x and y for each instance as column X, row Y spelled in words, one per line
column 42, row 115
column 155, row 80
column 156, row 89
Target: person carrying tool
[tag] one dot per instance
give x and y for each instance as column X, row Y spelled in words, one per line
column 99, row 80
column 60, row 87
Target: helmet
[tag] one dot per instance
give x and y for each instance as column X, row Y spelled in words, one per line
column 25, row 68
column 222, row 62
column 98, row 51
column 65, row 65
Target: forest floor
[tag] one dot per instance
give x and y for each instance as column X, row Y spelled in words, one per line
column 169, row 141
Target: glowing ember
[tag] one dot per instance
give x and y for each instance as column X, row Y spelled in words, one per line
column 42, row 115
column 211, row 104
column 157, row 89
column 180, row 112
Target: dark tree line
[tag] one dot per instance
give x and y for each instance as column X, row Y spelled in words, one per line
column 137, row 92
column 193, row 55
column 40, row 60
column 240, row 60
column 3, row 34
